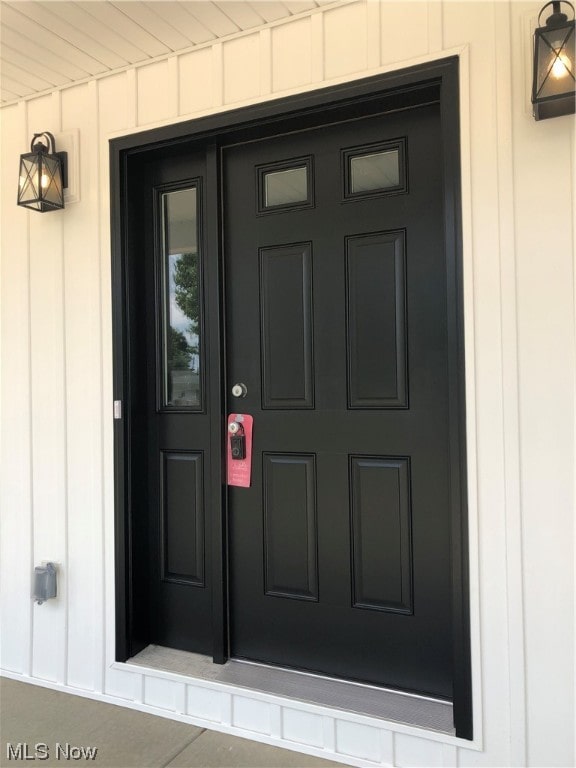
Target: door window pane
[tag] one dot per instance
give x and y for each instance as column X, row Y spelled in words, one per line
column 376, row 171
column 286, row 187
column 181, row 355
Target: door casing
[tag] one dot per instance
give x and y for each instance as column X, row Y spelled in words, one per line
column 399, row 90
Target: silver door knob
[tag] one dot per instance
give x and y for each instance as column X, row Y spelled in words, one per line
column 239, row 390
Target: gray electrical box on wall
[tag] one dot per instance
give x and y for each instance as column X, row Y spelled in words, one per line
column 45, row 586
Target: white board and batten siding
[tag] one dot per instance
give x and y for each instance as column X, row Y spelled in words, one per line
column 57, row 457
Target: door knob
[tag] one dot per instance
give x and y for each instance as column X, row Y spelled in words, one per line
column 239, row 390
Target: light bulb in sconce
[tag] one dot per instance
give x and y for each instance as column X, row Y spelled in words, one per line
column 44, row 181
column 561, row 66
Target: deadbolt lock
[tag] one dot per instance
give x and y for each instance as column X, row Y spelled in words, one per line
column 239, row 390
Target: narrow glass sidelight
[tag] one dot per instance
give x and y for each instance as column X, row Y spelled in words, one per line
column 181, row 354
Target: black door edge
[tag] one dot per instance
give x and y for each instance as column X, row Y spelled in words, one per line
column 411, row 87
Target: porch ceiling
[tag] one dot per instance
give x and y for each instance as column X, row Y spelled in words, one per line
column 53, row 43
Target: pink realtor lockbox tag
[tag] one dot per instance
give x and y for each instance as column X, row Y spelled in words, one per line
column 239, row 449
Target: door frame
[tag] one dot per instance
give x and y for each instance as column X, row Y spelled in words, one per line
column 414, row 86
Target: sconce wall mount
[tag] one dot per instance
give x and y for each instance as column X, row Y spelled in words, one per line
column 553, row 85
column 43, row 175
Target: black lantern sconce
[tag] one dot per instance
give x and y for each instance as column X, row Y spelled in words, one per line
column 554, row 63
column 43, row 175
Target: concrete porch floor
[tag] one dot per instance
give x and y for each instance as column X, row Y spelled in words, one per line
column 123, row 737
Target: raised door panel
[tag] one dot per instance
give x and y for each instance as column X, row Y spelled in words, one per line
column 290, row 536
column 182, row 518
column 381, row 533
column 376, row 320
column 286, row 326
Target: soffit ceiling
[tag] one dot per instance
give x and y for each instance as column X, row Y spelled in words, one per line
column 53, row 43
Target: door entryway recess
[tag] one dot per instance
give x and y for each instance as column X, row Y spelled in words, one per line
column 298, row 263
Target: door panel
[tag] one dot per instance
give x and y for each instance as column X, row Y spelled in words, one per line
column 337, row 324
column 182, row 518
column 170, row 406
column 287, row 357
column 290, row 541
column 376, row 320
column 381, row 534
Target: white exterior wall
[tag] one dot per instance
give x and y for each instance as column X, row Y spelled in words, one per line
column 57, row 449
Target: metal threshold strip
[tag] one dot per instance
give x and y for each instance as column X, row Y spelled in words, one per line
column 408, row 709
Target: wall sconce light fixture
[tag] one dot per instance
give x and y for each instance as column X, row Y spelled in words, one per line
column 554, row 64
column 43, row 175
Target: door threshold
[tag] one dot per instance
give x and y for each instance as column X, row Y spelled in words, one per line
column 359, row 698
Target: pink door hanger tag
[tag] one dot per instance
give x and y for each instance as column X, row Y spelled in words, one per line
column 238, row 450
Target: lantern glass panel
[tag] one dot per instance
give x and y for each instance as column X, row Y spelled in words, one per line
column 29, row 179
column 51, row 181
column 555, row 51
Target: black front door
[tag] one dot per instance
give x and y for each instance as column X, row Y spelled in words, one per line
column 336, row 307
column 308, row 250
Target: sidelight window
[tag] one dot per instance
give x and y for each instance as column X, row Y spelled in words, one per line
column 180, row 283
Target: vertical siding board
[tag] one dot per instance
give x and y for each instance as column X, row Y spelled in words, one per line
column 329, row 733
column 121, row 685
column 132, row 96
column 84, row 416
column 265, row 62
column 449, row 756
column 156, row 99
column 16, row 552
column 435, row 41
column 387, row 747
column 48, row 415
column 173, row 87
column 218, row 74
column 411, row 752
column 318, row 47
column 114, row 113
column 290, row 70
column 573, row 207
column 356, row 740
column 544, row 221
column 345, row 40
column 404, row 30
column 99, row 612
column 195, row 81
column 242, row 68
column 373, row 34
column 510, row 389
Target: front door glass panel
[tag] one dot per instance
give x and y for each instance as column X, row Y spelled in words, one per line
column 376, row 171
column 286, row 187
column 181, row 363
